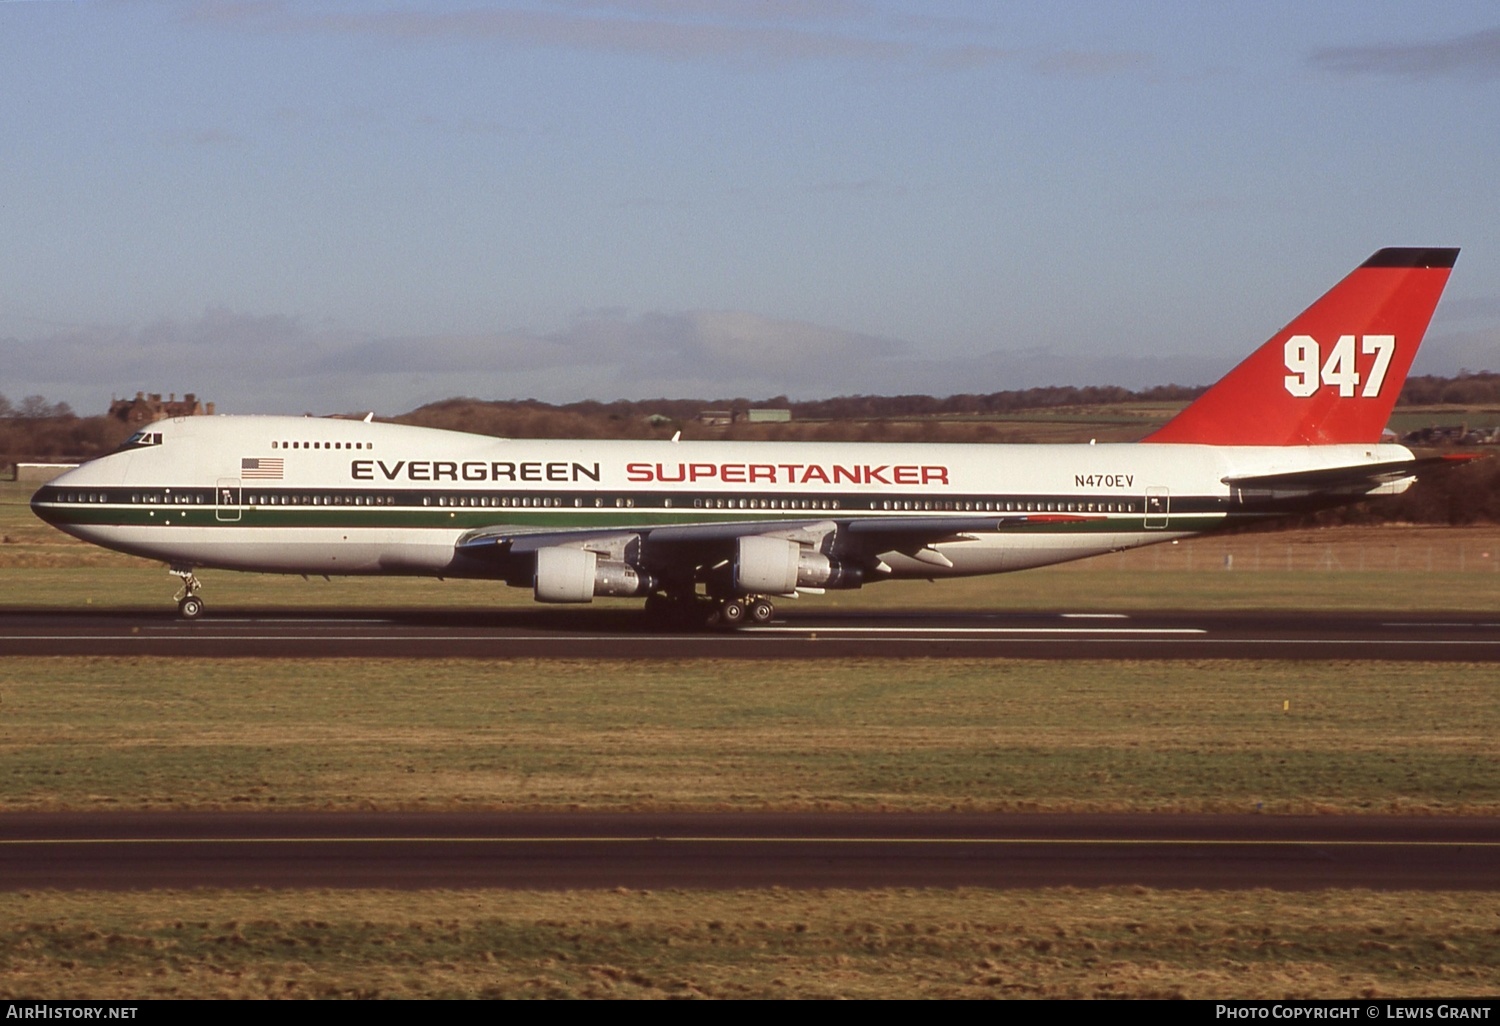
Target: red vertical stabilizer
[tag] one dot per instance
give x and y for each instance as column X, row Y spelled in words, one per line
column 1333, row 374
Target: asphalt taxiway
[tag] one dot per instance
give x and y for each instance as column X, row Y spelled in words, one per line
column 544, row 633
column 554, row 851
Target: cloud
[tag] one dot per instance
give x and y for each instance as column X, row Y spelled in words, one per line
column 646, row 353
column 204, row 137
column 275, row 364
column 753, row 32
column 1449, row 353
column 1096, row 63
column 676, row 31
column 970, row 55
column 860, row 187
column 1469, row 308
column 1476, row 55
column 220, row 353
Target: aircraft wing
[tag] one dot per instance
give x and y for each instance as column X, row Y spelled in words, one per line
column 512, row 540
column 696, row 548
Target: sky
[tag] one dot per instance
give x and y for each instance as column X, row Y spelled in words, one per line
column 290, row 207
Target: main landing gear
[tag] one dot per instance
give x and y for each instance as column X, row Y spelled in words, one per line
column 189, row 605
column 690, row 611
column 752, row 609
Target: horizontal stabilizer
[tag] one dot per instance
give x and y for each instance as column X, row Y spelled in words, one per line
column 1368, row 475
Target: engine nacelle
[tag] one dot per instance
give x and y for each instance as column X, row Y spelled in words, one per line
column 766, row 565
column 565, row 574
column 778, row 566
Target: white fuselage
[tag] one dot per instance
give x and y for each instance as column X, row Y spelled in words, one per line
column 325, row 496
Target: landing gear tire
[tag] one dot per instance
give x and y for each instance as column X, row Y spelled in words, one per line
column 732, row 613
column 761, row 610
column 189, row 605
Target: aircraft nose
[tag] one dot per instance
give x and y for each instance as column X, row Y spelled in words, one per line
column 44, row 499
column 38, row 507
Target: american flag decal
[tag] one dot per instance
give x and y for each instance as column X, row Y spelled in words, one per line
column 265, row 468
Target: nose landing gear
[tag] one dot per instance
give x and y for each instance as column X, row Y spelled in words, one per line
column 189, row 605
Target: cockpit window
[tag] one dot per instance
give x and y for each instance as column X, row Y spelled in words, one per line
column 140, row 440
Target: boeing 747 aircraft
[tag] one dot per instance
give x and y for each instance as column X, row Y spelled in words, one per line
column 717, row 531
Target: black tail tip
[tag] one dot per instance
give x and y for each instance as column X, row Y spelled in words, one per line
column 1400, row 256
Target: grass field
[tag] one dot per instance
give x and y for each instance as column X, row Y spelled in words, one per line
column 755, row 944
column 718, row 734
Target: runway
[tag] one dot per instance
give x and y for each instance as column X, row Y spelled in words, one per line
column 560, row 851
column 620, row 634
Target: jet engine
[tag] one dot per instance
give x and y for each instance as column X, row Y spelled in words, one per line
column 779, row 566
column 565, row 574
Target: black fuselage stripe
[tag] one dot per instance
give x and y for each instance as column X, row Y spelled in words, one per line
column 253, row 495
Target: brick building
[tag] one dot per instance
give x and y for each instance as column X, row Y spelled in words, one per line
column 145, row 408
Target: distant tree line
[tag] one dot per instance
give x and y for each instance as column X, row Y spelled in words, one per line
column 863, row 407
column 37, row 431
column 1468, row 389
column 33, row 407
column 584, row 415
